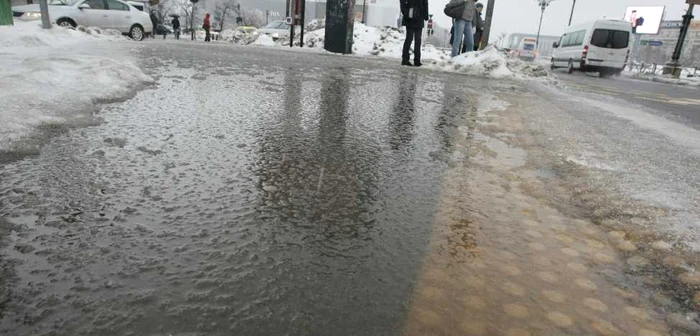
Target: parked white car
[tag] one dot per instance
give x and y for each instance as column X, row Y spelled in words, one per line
column 601, row 46
column 106, row 14
column 276, row 29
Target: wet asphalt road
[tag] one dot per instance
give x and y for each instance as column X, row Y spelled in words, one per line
column 251, row 192
column 254, row 191
column 675, row 102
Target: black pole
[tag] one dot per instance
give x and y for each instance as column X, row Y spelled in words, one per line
column 303, row 22
column 684, row 31
column 537, row 43
column 292, row 14
column 573, row 6
column 489, row 19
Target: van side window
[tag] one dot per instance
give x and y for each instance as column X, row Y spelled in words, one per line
column 580, row 36
column 565, row 40
column 573, row 38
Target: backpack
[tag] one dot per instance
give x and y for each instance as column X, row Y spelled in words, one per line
column 455, row 10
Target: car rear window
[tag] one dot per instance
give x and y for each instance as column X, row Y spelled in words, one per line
column 529, row 47
column 611, row 39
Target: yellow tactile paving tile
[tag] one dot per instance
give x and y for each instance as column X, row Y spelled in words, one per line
column 503, row 263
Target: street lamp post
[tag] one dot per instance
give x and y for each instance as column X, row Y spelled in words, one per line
column 573, row 6
column 674, row 67
column 543, row 5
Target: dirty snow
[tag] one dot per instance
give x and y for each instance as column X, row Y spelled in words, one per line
column 689, row 76
column 264, row 40
column 51, row 76
column 387, row 42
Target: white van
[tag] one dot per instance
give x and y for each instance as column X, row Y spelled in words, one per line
column 601, row 46
column 526, row 49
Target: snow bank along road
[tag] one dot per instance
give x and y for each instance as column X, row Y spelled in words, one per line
column 257, row 191
column 51, row 79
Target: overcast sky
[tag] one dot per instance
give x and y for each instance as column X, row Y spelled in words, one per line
column 522, row 16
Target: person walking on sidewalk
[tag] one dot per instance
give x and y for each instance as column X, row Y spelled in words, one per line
column 415, row 13
column 154, row 22
column 176, row 27
column 463, row 27
column 207, row 27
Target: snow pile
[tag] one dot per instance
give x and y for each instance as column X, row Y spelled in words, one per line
column 239, row 37
column 316, row 24
column 370, row 41
column 264, row 40
column 388, row 42
column 54, row 76
column 491, row 63
column 486, row 63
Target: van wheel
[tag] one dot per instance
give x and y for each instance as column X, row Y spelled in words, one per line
column 606, row 74
column 570, row 68
column 552, row 66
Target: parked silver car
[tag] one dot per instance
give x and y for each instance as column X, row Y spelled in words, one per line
column 106, row 14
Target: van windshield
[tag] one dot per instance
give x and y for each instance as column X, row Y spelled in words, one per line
column 611, row 39
column 529, row 47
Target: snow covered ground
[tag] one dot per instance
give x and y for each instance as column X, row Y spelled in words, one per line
column 388, row 42
column 54, row 77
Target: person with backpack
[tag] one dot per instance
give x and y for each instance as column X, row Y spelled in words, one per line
column 462, row 13
column 207, row 27
column 415, row 13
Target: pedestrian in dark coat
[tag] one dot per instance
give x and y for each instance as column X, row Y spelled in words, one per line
column 415, row 13
column 478, row 25
column 176, row 27
column 154, row 21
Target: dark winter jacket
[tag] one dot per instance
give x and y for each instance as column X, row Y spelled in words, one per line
column 175, row 23
column 468, row 14
column 420, row 13
column 478, row 22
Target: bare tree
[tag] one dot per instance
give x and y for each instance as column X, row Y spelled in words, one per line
column 163, row 9
column 223, row 10
column 183, row 8
column 252, row 17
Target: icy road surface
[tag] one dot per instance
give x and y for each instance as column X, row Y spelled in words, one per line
column 254, row 191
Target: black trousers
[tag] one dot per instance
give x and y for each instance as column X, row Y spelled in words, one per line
column 207, row 38
column 412, row 33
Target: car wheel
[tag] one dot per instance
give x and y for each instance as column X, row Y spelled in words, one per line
column 570, row 68
column 605, row 74
column 136, row 32
column 552, row 66
column 66, row 23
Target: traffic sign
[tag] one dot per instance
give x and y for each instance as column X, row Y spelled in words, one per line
column 288, row 20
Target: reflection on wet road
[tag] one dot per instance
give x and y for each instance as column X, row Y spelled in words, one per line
column 236, row 196
column 254, row 193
